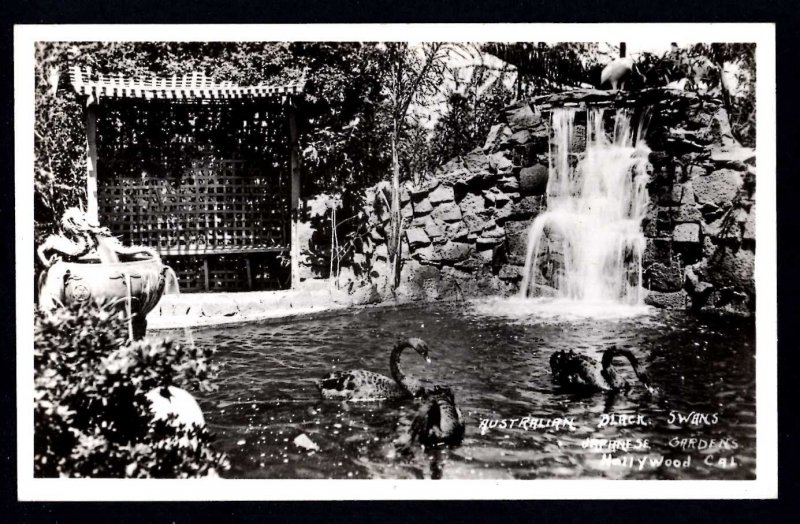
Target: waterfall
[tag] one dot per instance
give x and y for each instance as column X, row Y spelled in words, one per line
column 588, row 245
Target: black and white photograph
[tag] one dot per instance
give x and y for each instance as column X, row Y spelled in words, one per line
column 380, row 255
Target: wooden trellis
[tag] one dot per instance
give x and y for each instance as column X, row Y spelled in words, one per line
column 206, row 173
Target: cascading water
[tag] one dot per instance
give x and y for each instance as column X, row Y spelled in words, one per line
column 588, row 245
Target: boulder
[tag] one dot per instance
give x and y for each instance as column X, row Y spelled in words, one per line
column 434, row 230
column 529, row 207
column 464, row 179
column 451, row 252
column 688, row 233
column 448, row 212
column 510, row 272
column 472, row 204
column 500, row 163
column 732, row 267
column 533, row 180
column 523, row 136
column 423, row 253
column 492, row 230
column 696, row 287
column 473, row 222
column 441, row 194
column 417, row 237
column 737, row 158
column 661, row 277
column 501, row 214
column 718, row 188
column 495, row 198
column 509, row 184
column 687, row 213
column 521, row 116
column 730, row 301
column 674, row 300
column 476, row 161
column 422, row 207
column 457, row 232
column 656, row 250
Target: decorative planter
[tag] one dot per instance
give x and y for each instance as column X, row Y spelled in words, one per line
column 132, row 286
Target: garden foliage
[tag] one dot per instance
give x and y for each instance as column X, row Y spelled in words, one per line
column 91, row 416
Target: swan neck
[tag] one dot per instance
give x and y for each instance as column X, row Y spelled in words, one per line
column 407, row 382
column 608, row 365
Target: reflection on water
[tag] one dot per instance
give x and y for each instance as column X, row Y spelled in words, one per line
column 498, row 368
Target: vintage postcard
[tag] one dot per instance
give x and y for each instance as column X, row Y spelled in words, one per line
column 323, row 262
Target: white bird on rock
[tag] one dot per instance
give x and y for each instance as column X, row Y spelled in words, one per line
column 618, row 73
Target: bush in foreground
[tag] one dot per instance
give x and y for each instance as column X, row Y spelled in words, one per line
column 91, row 415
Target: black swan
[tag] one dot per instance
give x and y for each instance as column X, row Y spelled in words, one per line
column 438, row 420
column 583, row 373
column 363, row 385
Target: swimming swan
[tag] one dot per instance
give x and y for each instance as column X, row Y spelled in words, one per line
column 363, row 385
column 583, row 373
column 438, row 420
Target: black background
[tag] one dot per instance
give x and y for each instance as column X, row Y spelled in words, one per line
column 783, row 13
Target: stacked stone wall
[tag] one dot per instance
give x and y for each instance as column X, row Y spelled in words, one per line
column 465, row 228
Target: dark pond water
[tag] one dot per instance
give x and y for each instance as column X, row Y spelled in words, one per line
column 496, row 360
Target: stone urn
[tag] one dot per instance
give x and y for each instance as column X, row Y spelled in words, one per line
column 134, row 287
column 85, row 263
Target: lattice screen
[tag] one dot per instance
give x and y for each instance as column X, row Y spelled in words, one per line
column 197, row 180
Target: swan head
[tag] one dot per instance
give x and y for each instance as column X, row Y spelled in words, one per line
column 419, row 345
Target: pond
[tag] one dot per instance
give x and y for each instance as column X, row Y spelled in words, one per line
column 700, row 424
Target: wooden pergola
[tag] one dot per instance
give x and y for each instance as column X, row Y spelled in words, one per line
column 228, row 197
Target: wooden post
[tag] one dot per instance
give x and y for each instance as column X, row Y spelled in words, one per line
column 91, row 161
column 295, row 195
column 249, row 273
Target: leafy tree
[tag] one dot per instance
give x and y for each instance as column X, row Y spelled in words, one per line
column 410, row 74
column 741, row 102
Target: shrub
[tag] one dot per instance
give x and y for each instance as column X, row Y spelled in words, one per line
column 91, row 415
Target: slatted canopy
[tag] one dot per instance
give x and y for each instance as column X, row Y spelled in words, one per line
column 195, row 86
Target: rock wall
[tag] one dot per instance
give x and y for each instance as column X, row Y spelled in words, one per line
column 465, row 228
